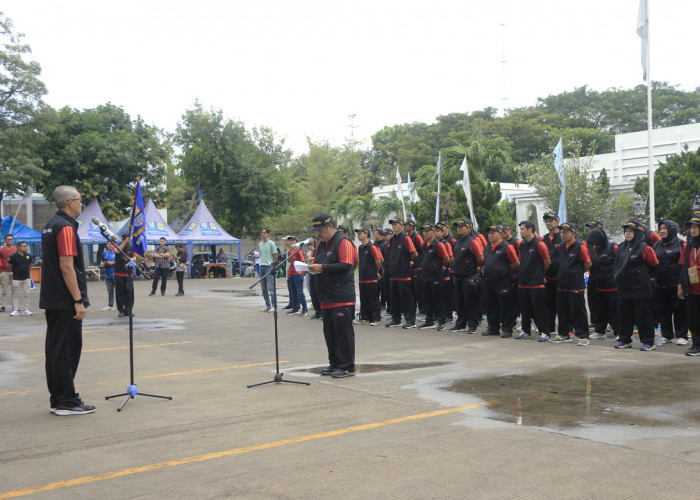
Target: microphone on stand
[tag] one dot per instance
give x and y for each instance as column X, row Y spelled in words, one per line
column 105, row 230
column 307, row 241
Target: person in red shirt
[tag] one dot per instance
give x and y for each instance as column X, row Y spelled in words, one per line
column 296, row 279
column 5, row 275
column 574, row 261
column 689, row 286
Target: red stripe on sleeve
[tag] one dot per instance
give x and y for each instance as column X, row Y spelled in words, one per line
column 66, row 242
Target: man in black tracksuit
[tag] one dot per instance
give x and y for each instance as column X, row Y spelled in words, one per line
column 401, row 254
column 335, row 284
column 574, row 261
column 468, row 258
column 552, row 240
column 381, row 245
column 534, row 262
column 603, row 256
column 370, row 263
column 434, row 260
column 410, row 229
column 591, row 285
column 500, row 260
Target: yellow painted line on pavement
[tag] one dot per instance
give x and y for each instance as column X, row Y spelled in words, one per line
column 158, row 375
column 236, row 451
column 109, row 349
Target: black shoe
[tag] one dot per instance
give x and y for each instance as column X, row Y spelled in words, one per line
column 288, row 306
column 162, row 294
column 293, row 311
column 472, row 330
column 392, row 325
column 440, row 327
column 488, row 333
column 327, row 370
column 506, row 335
column 121, row 314
column 458, row 328
column 81, row 409
column 2, row 309
column 340, row 373
column 179, row 294
column 426, row 326
column 693, row 351
column 408, row 326
column 151, row 294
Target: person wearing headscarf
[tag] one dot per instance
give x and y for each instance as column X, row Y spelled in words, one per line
column 634, row 262
column 668, row 308
column 590, row 285
column 689, row 285
column 604, row 301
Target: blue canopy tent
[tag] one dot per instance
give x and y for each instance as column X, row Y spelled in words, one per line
column 20, row 232
column 203, row 229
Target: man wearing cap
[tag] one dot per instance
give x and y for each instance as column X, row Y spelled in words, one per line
column 370, row 265
column 574, row 261
column 468, row 258
column 401, row 254
column 632, row 270
column 335, row 285
column 689, row 285
column 534, row 262
column 442, row 233
column 552, row 240
column 596, row 317
column 410, row 228
column 295, row 278
column 500, row 260
column 381, row 246
column 386, row 284
column 512, row 240
column 346, row 231
column 435, row 260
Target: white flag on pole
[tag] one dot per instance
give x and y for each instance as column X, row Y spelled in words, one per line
column 466, row 185
column 643, row 32
column 400, row 191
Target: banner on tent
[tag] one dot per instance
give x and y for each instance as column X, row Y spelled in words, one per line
column 156, row 229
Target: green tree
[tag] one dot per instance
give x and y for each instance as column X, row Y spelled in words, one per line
column 676, row 185
column 244, row 174
column 23, row 114
column 102, row 151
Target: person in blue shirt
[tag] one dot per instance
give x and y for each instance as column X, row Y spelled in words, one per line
column 108, row 265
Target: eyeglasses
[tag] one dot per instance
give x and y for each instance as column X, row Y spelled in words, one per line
column 77, row 199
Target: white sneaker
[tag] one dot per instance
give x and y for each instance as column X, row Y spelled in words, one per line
column 14, row 313
column 596, row 336
column 266, row 309
column 681, row 341
column 27, row 312
column 108, row 308
column 664, row 340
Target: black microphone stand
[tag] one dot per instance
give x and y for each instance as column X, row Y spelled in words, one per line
column 278, row 375
column 132, row 391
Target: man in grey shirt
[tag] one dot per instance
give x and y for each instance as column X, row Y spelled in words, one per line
column 268, row 256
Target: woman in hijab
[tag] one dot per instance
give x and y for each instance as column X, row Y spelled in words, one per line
column 604, row 301
column 668, row 309
column 689, row 285
column 631, row 270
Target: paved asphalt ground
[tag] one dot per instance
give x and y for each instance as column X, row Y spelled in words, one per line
column 429, row 414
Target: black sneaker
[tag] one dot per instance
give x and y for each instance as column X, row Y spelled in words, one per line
column 693, row 351
column 392, row 325
column 2, row 309
column 288, row 306
column 328, row 370
column 440, row 327
column 81, row 409
column 458, row 328
column 341, row 373
column 408, row 326
column 506, row 335
column 162, row 294
column 426, row 326
column 488, row 333
column 151, row 294
column 293, row 311
column 472, row 330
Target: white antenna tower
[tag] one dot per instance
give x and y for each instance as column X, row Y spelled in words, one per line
column 504, row 90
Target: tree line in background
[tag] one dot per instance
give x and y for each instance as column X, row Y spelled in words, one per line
column 249, row 177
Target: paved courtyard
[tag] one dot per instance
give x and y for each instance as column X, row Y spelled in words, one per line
column 429, row 414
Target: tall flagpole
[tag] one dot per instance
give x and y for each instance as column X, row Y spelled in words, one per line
column 650, row 148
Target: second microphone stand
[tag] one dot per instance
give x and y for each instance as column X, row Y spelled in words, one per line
column 278, row 376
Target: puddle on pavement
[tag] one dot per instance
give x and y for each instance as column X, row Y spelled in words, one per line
column 239, row 293
column 573, row 397
column 379, row 367
column 138, row 323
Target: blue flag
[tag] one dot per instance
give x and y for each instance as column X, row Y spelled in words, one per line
column 437, row 204
column 410, row 194
column 559, row 167
column 138, row 223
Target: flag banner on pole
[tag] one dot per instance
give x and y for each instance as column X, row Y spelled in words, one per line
column 559, row 167
column 643, row 32
column 437, row 204
column 138, row 223
column 400, row 191
column 466, row 185
column 410, row 194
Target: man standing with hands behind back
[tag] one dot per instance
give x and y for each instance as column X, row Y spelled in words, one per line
column 5, row 274
column 162, row 257
column 64, row 297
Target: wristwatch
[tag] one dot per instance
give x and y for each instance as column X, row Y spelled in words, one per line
column 79, row 301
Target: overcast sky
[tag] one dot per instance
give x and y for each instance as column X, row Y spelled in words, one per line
column 302, row 67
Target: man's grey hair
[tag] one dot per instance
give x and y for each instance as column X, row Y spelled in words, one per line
column 62, row 194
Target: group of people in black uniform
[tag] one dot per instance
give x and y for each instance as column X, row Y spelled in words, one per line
column 570, row 288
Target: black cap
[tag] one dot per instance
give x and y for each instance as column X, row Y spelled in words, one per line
column 463, row 222
column 396, row 220
column 343, row 229
column 290, row 237
column 506, row 226
column 594, row 223
column 410, row 222
column 496, row 227
column 569, row 226
column 695, row 219
column 321, row 220
column 388, row 232
column 634, row 223
column 428, row 227
column 363, row 229
column 550, row 215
